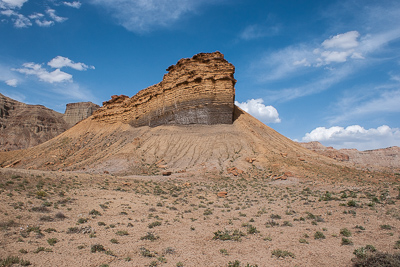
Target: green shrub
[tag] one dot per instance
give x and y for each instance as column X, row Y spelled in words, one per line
column 345, row 232
column 319, row 235
column 282, row 253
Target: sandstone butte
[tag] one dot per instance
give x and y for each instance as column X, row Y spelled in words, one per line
column 185, row 125
column 197, row 90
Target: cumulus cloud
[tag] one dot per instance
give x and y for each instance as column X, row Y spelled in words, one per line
column 355, row 136
column 12, row 82
column 266, row 114
column 12, row 3
column 144, row 15
column 74, row 4
column 52, row 14
column 60, row 62
column 55, row 76
column 343, row 41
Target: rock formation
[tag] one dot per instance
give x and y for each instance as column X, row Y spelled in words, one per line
column 197, row 90
column 374, row 159
column 76, row 112
column 326, row 151
column 23, row 126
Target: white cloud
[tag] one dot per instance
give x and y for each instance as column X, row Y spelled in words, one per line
column 60, row 62
column 257, row 31
column 12, row 82
column 44, row 23
column 344, row 41
column 52, row 14
column 23, row 21
column 12, row 3
column 55, row 76
column 355, row 136
column 266, row 114
column 74, row 4
column 144, row 15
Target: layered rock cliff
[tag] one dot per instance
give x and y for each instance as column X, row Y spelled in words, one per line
column 23, row 126
column 76, row 112
column 373, row 159
column 197, row 90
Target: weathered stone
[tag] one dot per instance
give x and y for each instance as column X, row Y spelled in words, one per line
column 250, row 160
column 23, row 125
column 222, row 194
column 235, row 171
column 75, row 112
column 197, row 90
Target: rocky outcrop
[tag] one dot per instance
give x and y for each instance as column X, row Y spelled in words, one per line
column 76, row 112
column 197, row 90
column 374, row 159
column 326, row 151
column 23, row 126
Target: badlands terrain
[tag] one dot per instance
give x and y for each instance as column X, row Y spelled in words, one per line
column 159, row 179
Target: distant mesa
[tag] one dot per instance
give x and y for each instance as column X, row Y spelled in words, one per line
column 23, row 125
column 75, row 112
column 197, row 90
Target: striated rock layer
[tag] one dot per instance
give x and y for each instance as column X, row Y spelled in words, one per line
column 75, row 112
column 384, row 158
column 197, row 90
column 23, row 126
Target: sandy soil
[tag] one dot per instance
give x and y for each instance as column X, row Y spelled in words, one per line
column 183, row 214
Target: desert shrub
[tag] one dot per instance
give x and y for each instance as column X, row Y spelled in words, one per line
column 346, row 241
column 228, row 235
column 94, row 212
column 52, row 241
column 386, row 227
column 97, row 248
column 122, row 232
column 154, row 224
column 82, row 220
column 282, row 253
column 150, row 236
column 345, row 232
column 275, row 216
column 319, row 235
column 378, row 259
column 146, row 253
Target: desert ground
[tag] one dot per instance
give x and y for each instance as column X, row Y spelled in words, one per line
column 60, row 218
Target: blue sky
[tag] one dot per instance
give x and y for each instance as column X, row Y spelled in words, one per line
column 327, row 71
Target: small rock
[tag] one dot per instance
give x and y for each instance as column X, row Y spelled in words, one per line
column 222, row 194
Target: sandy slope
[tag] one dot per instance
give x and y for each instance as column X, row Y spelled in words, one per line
column 119, row 148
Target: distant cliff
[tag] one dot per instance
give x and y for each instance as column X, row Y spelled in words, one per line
column 23, row 126
column 75, row 112
column 197, row 90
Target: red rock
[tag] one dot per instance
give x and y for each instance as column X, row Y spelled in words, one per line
column 222, row 194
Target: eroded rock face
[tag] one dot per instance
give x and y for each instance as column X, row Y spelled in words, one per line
column 76, row 112
column 23, row 125
column 197, row 90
